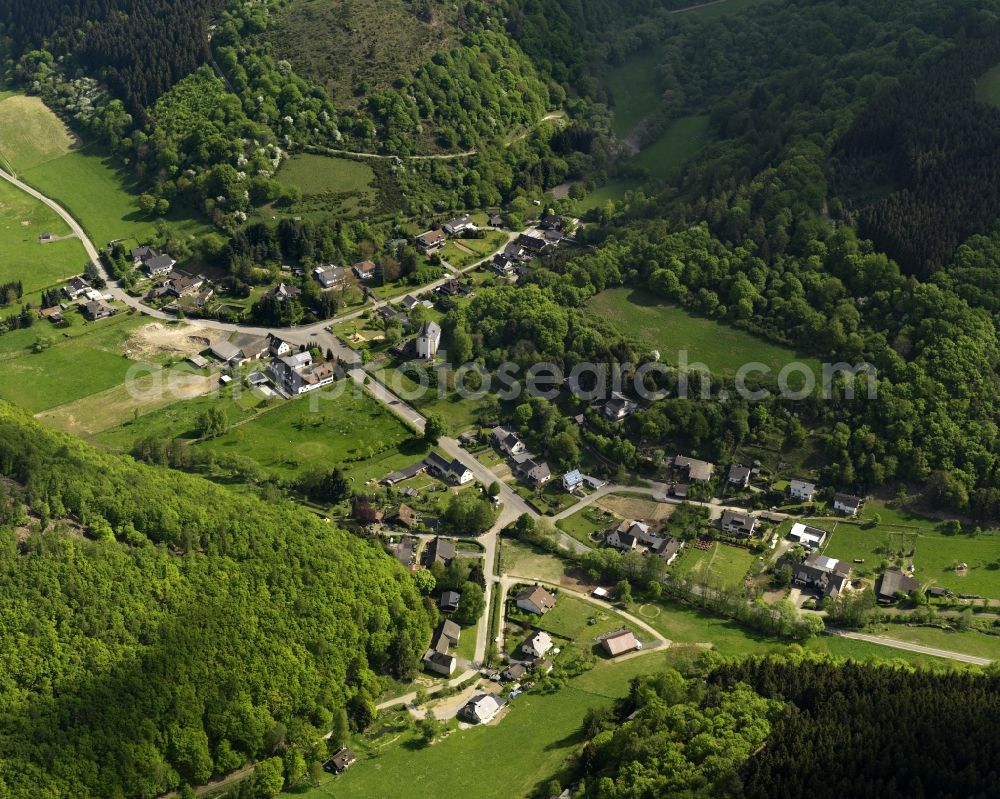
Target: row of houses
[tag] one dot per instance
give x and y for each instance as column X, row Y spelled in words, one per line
column 526, row 466
column 152, row 262
column 432, row 240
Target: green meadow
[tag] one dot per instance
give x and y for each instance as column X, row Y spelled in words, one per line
column 681, row 141
column 633, row 87
column 667, row 328
column 722, row 564
column 22, row 220
column 352, row 431
column 69, row 367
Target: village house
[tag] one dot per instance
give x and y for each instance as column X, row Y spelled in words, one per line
column 535, row 599
column 181, row 284
column 53, row 314
column 507, row 441
column 739, row 476
column 529, row 471
column 153, row 263
column 76, row 288
column 892, row 583
column 430, row 241
column 405, row 474
column 619, row 643
column 297, row 374
column 365, row 512
column 533, row 245
column 437, row 657
column 364, row 270
column 428, row 340
column 97, row 309
column 440, row 550
column 459, row 225
column 811, row 537
column 826, row 576
column 514, row 672
column 453, row 471
column 618, row 407
column 697, row 471
column 330, row 277
column 739, row 524
column 802, row 491
column 551, row 222
column 405, row 551
column 449, row 601
column 278, row 347
column 481, row 709
column 848, row 504
column 572, row 480
column 537, row 644
column 341, row 761
column 253, row 348
column 284, row 292
column 453, row 287
column 632, row 535
column 407, row 517
column 501, row 265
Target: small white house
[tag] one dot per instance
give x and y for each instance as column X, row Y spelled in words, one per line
column 847, row 504
column 811, row 537
column 537, row 645
column 802, row 491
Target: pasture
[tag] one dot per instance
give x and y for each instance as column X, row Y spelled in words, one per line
column 721, row 565
column 22, row 220
column 659, row 325
column 30, row 134
column 509, row 758
column 328, row 185
column 85, row 361
column 633, row 87
column 935, row 556
column 681, row 141
column 351, row 431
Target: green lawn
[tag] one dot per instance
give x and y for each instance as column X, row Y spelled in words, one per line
column 352, row 431
column 669, row 329
column 524, row 750
column 22, row 220
column 615, row 190
column 680, row 142
column 89, row 185
column 571, row 619
column 935, row 555
column 970, row 642
column 177, row 420
column 453, row 253
column 722, row 563
column 89, row 360
column 988, row 87
column 584, row 522
column 634, row 90
column 30, row 134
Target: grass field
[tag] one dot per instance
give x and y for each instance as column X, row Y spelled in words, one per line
column 353, row 432
column 459, row 413
column 988, row 87
column 453, row 251
column 524, row 750
column 571, row 619
column 723, row 564
column 633, row 87
column 328, row 185
column 681, row 141
column 30, row 134
column 85, row 181
column 522, row 560
column 90, row 360
column 970, row 642
column 659, row 325
column 581, row 524
column 935, row 555
column 615, row 190
column 22, row 220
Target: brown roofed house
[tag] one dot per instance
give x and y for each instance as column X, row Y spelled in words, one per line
column 621, row 642
column 535, row 599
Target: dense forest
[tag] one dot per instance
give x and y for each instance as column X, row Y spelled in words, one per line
column 160, row 629
column 796, row 726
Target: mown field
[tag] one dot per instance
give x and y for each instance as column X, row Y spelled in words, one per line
column 669, row 329
column 722, row 564
column 85, row 360
column 30, row 134
column 935, row 555
column 633, row 88
column 22, row 257
column 86, row 181
column 352, row 431
column 681, row 141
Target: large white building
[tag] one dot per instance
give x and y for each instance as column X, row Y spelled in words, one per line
column 429, row 340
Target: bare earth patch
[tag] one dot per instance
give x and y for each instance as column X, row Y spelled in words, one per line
column 635, row 507
column 157, row 339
